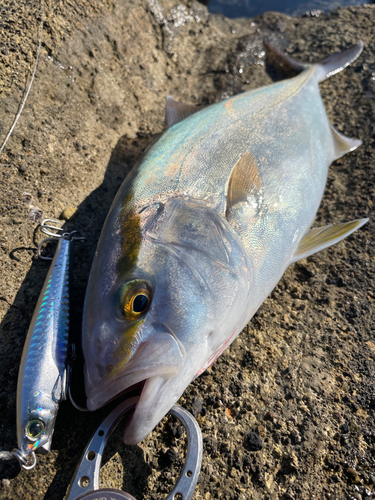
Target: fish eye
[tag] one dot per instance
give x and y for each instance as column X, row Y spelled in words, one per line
column 136, row 300
column 35, row 428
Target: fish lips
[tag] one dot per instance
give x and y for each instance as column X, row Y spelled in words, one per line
column 155, row 363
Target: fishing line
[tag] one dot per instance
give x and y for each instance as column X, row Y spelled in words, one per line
column 31, row 82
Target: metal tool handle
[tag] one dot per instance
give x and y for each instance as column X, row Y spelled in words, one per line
column 86, row 478
column 188, row 479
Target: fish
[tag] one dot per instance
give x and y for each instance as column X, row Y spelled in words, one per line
column 43, row 372
column 202, row 230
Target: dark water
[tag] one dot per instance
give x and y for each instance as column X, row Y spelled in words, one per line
column 251, row 8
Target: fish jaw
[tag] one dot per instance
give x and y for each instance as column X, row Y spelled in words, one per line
column 165, row 370
column 159, row 357
column 158, row 396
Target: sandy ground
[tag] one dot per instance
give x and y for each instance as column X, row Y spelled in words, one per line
column 287, row 411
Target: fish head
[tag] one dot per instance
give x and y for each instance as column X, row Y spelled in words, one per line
column 161, row 317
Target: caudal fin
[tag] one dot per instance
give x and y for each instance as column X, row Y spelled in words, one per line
column 326, row 68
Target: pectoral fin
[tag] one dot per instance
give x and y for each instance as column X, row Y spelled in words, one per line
column 177, row 111
column 244, row 181
column 320, row 238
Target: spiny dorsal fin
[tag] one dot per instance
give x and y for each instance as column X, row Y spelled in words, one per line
column 343, row 144
column 326, row 68
column 176, row 111
column 245, row 180
column 320, row 238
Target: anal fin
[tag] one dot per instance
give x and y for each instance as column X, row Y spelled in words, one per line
column 343, row 144
column 320, row 238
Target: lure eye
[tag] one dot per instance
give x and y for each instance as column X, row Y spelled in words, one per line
column 136, row 300
column 34, row 429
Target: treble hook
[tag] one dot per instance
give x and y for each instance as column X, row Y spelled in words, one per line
column 53, row 236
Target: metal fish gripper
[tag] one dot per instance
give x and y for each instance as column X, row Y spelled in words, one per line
column 85, row 484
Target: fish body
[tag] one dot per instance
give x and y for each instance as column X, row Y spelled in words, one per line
column 200, row 233
column 42, row 374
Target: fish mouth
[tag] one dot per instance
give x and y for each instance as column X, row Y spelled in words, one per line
column 154, row 364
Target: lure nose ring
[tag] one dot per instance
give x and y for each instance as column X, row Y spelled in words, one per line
column 27, row 462
column 85, row 484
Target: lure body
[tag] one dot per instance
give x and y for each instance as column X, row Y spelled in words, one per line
column 200, row 233
column 42, row 375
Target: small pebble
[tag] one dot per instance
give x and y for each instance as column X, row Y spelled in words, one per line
column 44, row 171
column 270, row 415
column 36, row 214
column 253, row 442
column 67, row 213
column 6, row 483
column 27, row 198
column 344, row 428
column 197, row 405
column 22, row 169
column 353, row 475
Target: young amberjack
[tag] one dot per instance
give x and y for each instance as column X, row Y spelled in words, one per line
column 200, row 233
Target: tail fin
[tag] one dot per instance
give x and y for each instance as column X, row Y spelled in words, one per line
column 326, row 68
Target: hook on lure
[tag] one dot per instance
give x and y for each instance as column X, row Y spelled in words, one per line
column 43, row 374
column 54, row 233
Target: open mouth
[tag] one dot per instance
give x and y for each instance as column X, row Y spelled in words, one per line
column 160, row 358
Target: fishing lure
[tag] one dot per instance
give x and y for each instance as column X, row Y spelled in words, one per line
column 42, row 378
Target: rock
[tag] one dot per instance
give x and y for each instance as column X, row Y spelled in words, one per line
column 253, row 442
column 168, row 457
column 114, row 102
column 197, row 405
column 68, row 213
column 353, row 475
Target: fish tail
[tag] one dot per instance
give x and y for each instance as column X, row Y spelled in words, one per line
column 326, row 68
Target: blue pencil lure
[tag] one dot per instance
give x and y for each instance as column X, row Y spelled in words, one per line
column 42, row 378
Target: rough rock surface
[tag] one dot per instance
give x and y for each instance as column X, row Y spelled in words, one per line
column 288, row 410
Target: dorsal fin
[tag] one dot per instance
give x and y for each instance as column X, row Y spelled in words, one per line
column 320, row 238
column 326, row 68
column 343, row 144
column 176, row 111
column 245, row 180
